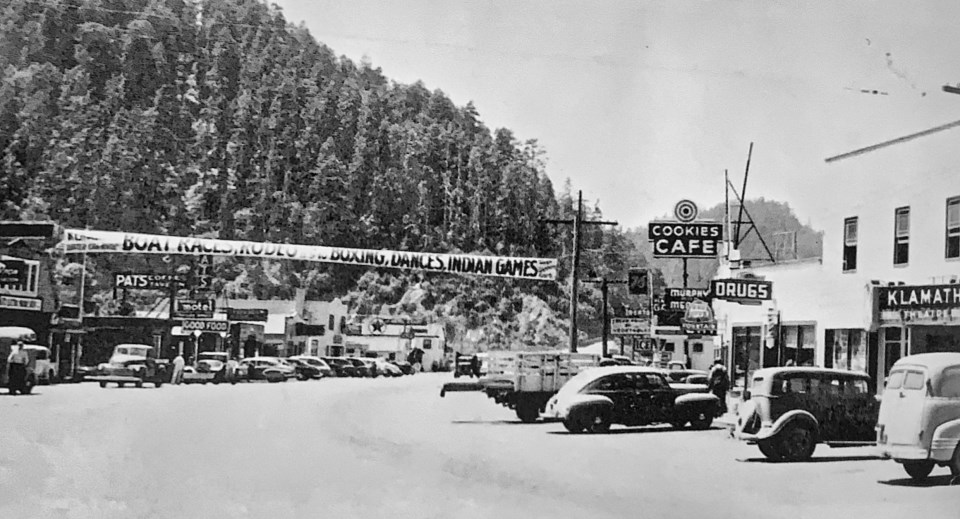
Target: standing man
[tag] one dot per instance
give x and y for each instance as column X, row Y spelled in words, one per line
column 17, row 365
column 719, row 383
column 177, row 369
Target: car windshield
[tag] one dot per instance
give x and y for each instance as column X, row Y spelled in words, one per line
column 895, row 380
column 213, row 356
column 913, row 380
column 141, row 351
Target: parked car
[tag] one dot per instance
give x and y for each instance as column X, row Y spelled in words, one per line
column 629, row 395
column 131, row 364
column 44, row 366
column 317, row 362
column 789, row 410
column 364, row 369
column 617, row 360
column 386, row 368
column 919, row 422
column 466, row 365
column 267, row 368
column 220, row 365
column 341, row 366
column 192, row 375
column 405, row 367
column 304, row 370
column 681, row 375
column 82, row 373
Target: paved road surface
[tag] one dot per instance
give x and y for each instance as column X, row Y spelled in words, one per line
column 391, row 448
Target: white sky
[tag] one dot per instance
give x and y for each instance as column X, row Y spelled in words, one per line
column 643, row 103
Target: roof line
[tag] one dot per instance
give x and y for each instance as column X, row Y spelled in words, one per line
column 898, row 140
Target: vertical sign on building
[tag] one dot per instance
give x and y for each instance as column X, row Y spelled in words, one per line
column 205, row 272
column 638, row 281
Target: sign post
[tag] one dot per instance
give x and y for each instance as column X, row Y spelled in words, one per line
column 685, row 238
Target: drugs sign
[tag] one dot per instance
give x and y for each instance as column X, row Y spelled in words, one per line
column 685, row 239
column 744, row 290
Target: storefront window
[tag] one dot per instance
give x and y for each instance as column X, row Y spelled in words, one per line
column 846, row 349
column 746, row 345
column 930, row 339
column 800, row 344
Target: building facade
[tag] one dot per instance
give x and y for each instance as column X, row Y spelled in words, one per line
column 888, row 283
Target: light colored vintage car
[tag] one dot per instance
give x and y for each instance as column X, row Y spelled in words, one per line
column 131, row 364
column 919, row 423
column 216, row 367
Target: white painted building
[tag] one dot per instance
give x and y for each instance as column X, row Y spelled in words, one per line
column 887, row 284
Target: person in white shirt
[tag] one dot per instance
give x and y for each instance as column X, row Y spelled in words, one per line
column 177, row 369
column 17, row 363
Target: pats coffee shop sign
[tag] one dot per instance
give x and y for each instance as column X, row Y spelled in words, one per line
column 919, row 304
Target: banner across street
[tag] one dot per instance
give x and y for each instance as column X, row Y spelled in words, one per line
column 79, row 240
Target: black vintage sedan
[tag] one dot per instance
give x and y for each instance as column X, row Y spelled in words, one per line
column 341, row 366
column 596, row 398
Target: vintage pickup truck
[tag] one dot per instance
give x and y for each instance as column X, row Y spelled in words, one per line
column 524, row 381
column 131, row 364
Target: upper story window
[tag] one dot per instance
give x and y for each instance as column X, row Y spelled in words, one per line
column 953, row 227
column 850, row 244
column 901, row 236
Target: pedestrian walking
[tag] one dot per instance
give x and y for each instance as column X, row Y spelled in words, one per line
column 17, row 363
column 177, row 369
column 719, row 383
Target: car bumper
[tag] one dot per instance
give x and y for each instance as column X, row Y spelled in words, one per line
column 114, row 378
column 903, row 452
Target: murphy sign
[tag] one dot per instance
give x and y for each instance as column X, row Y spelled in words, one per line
column 742, row 290
column 685, row 239
column 78, row 240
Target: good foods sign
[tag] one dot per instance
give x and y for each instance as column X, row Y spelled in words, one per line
column 76, row 240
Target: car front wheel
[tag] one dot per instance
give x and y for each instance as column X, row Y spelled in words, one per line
column 702, row 421
column 796, row 442
column 528, row 412
column 572, row 425
column 769, row 449
column 598, row 421
column 918, row 470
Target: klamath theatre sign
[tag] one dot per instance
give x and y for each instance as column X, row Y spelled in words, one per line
column 919, row 304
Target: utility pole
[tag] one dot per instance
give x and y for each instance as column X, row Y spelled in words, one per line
column 604, row 290
column 576, row 222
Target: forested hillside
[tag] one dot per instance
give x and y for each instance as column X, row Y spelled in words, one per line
column 221, row 119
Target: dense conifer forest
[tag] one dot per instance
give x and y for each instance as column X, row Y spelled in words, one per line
column 221, row 119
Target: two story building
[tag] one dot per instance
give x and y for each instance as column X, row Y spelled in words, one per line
column 888, row 283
